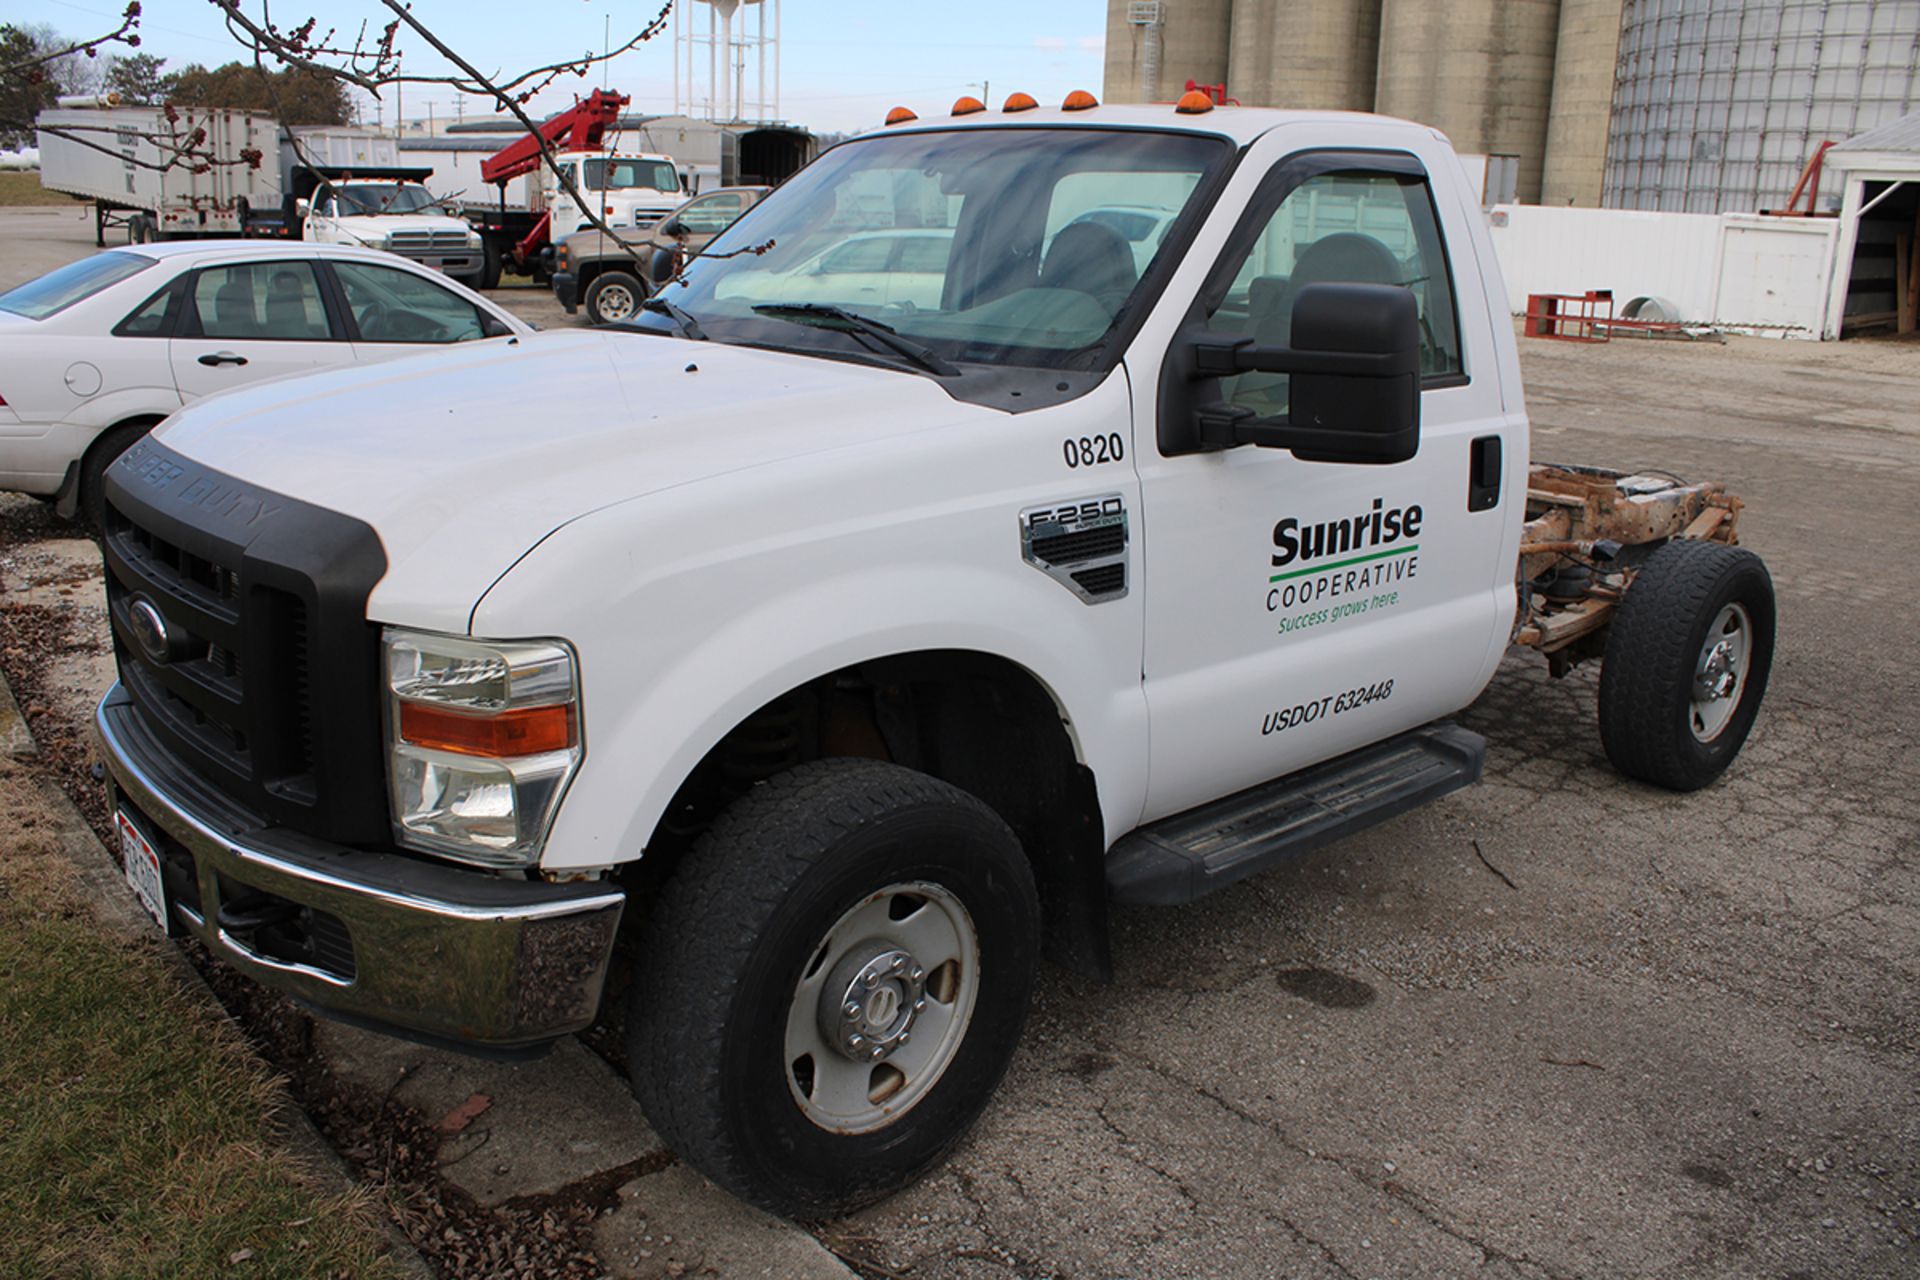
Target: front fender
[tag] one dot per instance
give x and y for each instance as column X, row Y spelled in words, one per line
column 693, row 608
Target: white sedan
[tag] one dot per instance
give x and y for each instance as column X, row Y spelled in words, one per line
column 93, row 355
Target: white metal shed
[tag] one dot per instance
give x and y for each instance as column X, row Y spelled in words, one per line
column 1876, row 283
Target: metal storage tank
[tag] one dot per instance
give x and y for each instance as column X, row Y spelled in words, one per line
column 1480, row 70
column 1155, row 46
column 1305, row 53
column 1720, row 103
column 1583, row 69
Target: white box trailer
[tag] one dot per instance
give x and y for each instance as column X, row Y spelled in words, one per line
column 188, row 171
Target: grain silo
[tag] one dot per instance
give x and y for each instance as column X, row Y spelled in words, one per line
column 1305, row 53
column 1480, row 70
column 1719, row 104
column 1586, row 56
column 1155, row 46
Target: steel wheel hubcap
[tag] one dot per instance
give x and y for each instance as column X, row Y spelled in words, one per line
column 616, row 302
column 882, row 1008
column 1720, row 672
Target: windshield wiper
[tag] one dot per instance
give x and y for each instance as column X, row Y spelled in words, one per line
column 688, row 325
column 822, row 316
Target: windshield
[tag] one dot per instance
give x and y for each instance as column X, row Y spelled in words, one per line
column 58, row 290
column 385, row 197
column 620, row 172
column 974, row 244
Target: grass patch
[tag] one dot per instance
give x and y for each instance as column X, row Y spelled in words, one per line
column 136, row 1126
column 22, row 186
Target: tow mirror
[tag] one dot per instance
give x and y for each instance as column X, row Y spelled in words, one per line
column 674, row 227
column 1353, row 392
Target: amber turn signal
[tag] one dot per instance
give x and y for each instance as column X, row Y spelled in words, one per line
column 1020, row 102
column 524, row 731
column 1194, row 103
column 967, row 106
column 1079, row 100
column 900, row 115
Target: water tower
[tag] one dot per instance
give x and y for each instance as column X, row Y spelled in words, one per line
column 731, row 39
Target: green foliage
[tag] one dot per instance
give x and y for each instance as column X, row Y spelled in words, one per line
column 25, row 90
column 137, row 79
column 290, row 95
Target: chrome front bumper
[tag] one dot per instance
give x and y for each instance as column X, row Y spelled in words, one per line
column 404, row 944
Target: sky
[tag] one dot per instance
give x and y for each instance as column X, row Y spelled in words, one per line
column 842, row 64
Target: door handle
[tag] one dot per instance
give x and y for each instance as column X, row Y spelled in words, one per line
column 1483, row 474
column 222, row 357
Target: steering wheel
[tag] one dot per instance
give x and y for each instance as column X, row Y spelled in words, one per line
column 374, row 320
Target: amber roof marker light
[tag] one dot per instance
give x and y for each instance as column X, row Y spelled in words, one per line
column 1080, row 100
column 1194, row 103
column 967, row 106
column 1019, row 102
column 900, row 115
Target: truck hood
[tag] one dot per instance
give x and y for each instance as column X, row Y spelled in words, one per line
column 463, row 459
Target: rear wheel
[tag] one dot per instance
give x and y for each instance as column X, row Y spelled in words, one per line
column 832, row 985
column 1688, row 655
column 101, row 454
column 614, row 296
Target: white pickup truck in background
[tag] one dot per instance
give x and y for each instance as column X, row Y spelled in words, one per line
column 836, row 652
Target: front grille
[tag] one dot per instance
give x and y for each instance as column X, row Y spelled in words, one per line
column 240, row 632
column 419, row 242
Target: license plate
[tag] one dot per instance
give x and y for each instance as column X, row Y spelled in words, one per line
column 142, row 866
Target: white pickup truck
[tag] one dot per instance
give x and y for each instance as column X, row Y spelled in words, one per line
column 827, row 659
column 400, row 217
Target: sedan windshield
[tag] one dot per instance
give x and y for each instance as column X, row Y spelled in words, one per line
column 58, row 290
column 385, row 197
column 974, row 245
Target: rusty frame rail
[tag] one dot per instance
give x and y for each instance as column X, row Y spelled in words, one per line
column 1603, row 524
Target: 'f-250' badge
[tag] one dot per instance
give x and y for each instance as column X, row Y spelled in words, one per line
column 1081, row 544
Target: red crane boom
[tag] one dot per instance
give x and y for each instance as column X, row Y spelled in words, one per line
column 581, row 126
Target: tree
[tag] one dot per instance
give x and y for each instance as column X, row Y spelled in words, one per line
column 25, row 94
column 137, row 79
column 37, row 65
column 293, row 95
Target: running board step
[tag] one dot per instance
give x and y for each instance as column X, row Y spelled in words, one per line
column 1191, row 854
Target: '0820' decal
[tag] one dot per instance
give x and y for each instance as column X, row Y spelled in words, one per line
column 1091, row 451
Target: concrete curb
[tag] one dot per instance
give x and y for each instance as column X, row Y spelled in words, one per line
column 114, row 907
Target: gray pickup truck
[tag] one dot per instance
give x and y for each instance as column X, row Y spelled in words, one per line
column 611, row 276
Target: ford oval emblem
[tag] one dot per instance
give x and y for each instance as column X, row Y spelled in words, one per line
column 150, row 631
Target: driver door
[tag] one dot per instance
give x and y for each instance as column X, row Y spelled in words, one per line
column 1300, row 610
column 391, row 311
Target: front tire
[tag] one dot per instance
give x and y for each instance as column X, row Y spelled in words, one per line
column 614, row 296
column 1688, row 655
column 832, row 984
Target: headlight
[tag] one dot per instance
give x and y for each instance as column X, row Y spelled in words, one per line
column 483, row 740
column 474, row 241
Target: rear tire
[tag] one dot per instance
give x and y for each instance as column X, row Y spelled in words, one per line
column 1688, row 655
column 101, row 454
column 614, row 296
column 839, row 885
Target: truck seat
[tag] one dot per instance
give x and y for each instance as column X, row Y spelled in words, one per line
column 1093, row 258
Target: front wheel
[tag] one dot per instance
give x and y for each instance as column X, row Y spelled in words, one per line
column 614, row 296
column 1688, row 654
column 832, row 985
